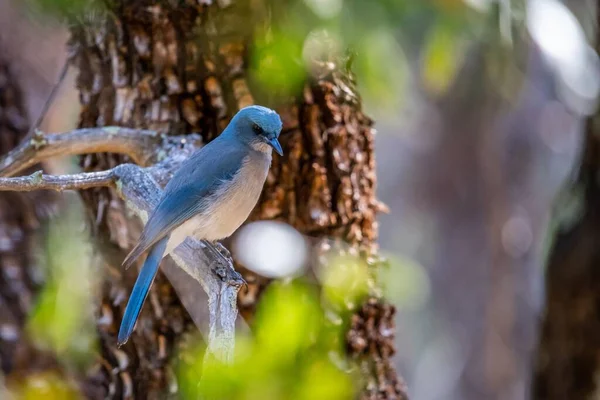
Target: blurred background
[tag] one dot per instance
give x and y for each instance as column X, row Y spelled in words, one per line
column 479, row 107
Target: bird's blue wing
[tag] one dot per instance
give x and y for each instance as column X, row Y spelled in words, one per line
column 198, row 177
column 140, row 290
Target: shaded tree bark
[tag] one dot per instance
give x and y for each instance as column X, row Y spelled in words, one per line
column 181, row 69
column 21, row 214
column 568, row 353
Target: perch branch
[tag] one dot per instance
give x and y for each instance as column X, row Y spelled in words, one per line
column 199, row 259
column 38, row 181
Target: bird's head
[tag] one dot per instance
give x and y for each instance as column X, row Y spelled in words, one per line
column 259, row 127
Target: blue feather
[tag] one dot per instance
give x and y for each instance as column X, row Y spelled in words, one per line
column 140, row 289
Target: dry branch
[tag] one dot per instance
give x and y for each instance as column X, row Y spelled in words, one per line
column 141, row 189
column 39, row 181
column 143, row 146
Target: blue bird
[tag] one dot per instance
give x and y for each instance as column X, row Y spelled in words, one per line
column 209, row 197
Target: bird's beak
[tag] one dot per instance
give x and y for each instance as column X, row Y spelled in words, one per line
column 276, row 146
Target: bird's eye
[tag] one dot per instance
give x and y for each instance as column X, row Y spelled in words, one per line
column 257, row 129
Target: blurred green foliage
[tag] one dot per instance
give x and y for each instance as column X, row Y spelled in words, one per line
column 298, row 348
column 276, row 63
column 404, row 283
column 383, row 34
column 442, row 58
column 346, row 282
column 47, row 386
column 62, row 320
column 70, row 9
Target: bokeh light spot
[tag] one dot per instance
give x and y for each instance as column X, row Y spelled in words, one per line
column 272, row 249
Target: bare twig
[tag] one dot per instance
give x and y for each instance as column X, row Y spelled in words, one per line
column 49, row 100
column 38, row 181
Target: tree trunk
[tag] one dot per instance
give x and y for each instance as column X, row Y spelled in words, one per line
column 568, row 353
column 20, row 216
column 182, row 69
column 569, row 350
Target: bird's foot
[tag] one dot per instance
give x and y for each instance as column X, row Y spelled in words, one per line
column 237, row 280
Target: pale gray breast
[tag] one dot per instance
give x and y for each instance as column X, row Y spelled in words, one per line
column 229, row 206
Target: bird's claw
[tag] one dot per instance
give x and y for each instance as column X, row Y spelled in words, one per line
column 237, row 280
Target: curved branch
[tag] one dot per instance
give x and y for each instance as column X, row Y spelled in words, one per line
column 141, row 145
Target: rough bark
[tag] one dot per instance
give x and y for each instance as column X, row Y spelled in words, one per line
column 21, row 214
column 568, row 356
column 568, row 353
column 181, row 69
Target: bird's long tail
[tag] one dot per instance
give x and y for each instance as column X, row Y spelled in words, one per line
column 140, row 289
